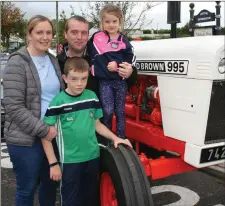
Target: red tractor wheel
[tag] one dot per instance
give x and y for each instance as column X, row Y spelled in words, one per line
column 108, row 193
column 120, row 183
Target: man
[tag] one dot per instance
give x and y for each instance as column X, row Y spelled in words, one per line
column 76, row 35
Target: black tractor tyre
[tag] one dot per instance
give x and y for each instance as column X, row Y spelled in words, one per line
column 110, row 162
column 146, row 187
column 128, row 162
column 128, row 176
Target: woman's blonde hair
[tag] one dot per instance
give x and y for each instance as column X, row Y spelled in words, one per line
column 113, row 10
column 34, row 21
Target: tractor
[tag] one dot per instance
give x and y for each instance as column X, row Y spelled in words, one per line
column 175, row 118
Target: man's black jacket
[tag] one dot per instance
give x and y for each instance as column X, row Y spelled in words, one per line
column 92, row 81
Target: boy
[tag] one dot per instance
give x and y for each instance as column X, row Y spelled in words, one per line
column 75, row 112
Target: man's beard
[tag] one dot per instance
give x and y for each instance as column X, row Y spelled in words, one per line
column 78, row 50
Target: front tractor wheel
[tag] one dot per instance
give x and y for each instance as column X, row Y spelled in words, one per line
column 122, row 181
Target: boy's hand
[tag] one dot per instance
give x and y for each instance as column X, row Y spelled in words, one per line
column 112, row 66
column 51, row 133
column 55, row 173
column 122, row 141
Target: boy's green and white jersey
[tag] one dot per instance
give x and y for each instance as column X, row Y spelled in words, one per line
column 74, row 118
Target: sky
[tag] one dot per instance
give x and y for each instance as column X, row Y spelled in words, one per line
column 157, row 14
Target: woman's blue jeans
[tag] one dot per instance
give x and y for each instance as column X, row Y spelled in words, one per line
column 30, row 164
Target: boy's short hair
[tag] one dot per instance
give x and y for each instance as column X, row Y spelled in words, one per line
column 77, row 64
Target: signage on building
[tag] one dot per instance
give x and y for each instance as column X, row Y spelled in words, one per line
column 204, row 16
column 203, row 31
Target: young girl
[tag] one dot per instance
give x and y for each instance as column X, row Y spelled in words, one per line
column 110, row 48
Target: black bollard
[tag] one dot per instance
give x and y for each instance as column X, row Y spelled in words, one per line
column 191, row 22
column 173, row 16
column 218, row 16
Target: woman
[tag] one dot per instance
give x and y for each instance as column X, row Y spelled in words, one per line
column 32, row 78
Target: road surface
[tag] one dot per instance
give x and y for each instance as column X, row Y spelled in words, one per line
column 187, row 189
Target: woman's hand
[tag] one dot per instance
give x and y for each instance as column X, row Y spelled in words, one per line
column 51, row 133
column 125, row 70
column 55, row 173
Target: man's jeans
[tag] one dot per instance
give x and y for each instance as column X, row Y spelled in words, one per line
column 29, row 164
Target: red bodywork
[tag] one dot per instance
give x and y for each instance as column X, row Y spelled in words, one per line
column 146, row 127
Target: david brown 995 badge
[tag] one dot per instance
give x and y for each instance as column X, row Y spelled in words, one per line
column 176, row 67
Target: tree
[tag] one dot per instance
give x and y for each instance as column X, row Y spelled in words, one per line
column 223, row 31
column 132, row 20
column 12, row 22
column 62, row 23
column 183, row 31
column 91, row 24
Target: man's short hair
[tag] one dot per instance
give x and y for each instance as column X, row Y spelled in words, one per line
column 77, row 64
column 77, row 18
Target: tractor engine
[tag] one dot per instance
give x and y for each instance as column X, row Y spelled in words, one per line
column 149, row 100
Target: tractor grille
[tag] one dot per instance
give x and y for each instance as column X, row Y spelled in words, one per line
column 215, row 131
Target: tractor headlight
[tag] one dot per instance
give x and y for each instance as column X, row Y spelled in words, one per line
column 221, row 67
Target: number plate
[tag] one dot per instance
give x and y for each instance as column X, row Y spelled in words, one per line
column 178, row 67
column 212, row 154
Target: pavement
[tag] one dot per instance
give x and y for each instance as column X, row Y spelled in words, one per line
column 196, row 188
